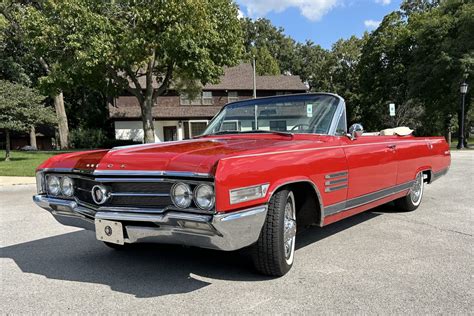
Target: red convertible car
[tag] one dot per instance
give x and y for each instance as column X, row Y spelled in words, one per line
column 263, row 169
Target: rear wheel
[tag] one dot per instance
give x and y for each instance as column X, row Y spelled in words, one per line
column 273, row 254
column 413, row 199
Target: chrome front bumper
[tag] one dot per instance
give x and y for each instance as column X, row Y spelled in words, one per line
column 224, row 231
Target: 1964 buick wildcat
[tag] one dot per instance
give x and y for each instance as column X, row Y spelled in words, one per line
column 262, row 170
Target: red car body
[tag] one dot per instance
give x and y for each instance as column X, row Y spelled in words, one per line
column 372, row 163
column 345, row 176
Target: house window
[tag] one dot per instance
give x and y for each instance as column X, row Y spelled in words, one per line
column 204, row 99
column 184, row 99
column 232, row 96
column 207, row 97
column 196, row 128
column 278, row 126
column 230, row 126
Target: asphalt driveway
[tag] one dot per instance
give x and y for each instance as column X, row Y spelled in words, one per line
column 378, row 262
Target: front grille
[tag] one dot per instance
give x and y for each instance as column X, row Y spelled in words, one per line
column 126, row 194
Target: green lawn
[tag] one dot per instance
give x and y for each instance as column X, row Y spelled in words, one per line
column 22, row 163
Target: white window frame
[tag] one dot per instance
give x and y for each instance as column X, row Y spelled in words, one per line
column 185, row 100
column 233, row 121
column 195, row 121
column 233, row 98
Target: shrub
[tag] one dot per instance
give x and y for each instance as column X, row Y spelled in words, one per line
column 83, row 138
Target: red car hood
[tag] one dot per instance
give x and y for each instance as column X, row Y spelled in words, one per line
column 198, row 155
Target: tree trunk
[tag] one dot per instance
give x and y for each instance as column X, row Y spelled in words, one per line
column 60, row 112
column 147, row 119
column 33, row 137
column 7, row 145
column 62, row 121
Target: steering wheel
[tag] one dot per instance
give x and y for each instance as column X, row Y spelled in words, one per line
column 300, row 127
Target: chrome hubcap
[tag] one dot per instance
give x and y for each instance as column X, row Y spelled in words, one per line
column 289, row 228
column 416, row 189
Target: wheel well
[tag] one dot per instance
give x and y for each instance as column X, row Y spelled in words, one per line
column 429, row 176
column 308, row 210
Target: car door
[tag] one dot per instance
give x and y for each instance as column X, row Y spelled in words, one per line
column 372, row 164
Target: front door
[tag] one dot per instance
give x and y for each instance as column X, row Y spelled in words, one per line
column 372, row 164
column 170, row 133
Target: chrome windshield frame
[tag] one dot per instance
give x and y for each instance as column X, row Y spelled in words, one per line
column 338, row 114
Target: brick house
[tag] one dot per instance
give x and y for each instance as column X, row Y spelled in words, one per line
column 176, row 117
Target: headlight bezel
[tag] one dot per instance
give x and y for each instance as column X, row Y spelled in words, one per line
column 63, row 191
column 49, row 179
column 212, row 201
column 189, row 195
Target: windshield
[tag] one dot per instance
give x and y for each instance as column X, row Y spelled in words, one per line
column 294, row 114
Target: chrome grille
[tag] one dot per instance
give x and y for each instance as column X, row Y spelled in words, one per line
column 153, row 194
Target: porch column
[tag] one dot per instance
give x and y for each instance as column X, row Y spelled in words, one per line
column 180, row 130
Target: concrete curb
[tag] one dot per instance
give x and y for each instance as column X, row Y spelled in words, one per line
column 7, row 181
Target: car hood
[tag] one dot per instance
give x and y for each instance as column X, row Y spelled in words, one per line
column 197, row 155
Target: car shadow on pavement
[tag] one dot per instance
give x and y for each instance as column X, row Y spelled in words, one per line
column 146, row 270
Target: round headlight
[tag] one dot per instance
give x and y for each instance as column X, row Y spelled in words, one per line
column 181, row 195
column 67, row 186
column 54, row 186
column 204, row 196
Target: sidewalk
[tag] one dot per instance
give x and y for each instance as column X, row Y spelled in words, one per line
column 4, row 181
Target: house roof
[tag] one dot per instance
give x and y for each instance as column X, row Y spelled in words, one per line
column 240, row 77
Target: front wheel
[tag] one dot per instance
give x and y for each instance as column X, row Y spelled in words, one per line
column 413, row 199
column 273, row 254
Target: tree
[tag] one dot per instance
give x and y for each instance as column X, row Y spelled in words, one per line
column 261, row 33
column 265, row 63
column 344, row 73
column 21, row 108
column 312, row 64
column 383, row 70
column 22, row 48
column 142, row 47
column 443, row 57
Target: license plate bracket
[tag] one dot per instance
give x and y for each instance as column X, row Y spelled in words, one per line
column 109, row 231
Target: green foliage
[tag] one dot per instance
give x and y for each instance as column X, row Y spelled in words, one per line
column 22, row 107
column 265, row 63
column 87, row 138
column 261, row 33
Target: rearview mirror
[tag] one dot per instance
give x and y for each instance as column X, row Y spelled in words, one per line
column 356, row 130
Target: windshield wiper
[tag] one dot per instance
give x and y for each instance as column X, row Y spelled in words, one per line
column 268, row 132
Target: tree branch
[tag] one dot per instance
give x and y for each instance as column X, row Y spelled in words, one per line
column 166, row 81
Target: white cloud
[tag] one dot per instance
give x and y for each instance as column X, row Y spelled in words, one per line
column 311, row 9
column 383, row 2
column 240, row 14
column 371, row 24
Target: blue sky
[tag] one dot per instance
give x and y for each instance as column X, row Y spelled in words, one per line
column 322, row 21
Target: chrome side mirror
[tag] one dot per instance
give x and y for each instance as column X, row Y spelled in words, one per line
column 356, row 130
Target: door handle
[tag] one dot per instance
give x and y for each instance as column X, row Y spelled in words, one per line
column 392, row 146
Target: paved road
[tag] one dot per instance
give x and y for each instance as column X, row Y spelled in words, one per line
column 379, row 262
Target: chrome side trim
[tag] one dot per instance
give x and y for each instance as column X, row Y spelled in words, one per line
column 366, row 199
column 332, row 182
column 336, row 175
column 438, row 174
column 332, row 189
